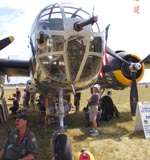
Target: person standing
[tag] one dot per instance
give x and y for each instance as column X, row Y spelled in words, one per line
column 18, row 94
column 26, row 98
column 77, row 98
column 93, row 109
column 21, row 142
column 66, row 111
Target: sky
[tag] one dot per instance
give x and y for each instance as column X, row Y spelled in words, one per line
column 129, row 30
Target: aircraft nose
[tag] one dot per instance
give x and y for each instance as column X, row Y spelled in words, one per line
column 66, row 56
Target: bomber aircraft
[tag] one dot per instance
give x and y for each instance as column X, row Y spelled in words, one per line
column 68, row 50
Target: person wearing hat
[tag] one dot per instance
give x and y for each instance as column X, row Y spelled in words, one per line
column 93, row 109
column 21, row 143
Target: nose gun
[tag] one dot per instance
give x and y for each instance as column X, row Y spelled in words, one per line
column 78, row 26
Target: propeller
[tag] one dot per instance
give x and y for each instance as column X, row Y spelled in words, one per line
column 133, row 68
column 6, row 41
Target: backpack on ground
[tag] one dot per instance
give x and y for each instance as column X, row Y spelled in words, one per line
column 109, row 109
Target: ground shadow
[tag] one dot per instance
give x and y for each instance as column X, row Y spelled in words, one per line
column 113, row 129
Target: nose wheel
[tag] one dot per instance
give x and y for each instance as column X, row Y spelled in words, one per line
column 62, row 148
column 60, row 145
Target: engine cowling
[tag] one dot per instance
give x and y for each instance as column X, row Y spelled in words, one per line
column 117, row 75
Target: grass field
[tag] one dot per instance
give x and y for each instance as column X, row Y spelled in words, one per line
column 117, row 141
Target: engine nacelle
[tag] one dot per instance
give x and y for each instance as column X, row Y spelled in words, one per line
column 117, row 75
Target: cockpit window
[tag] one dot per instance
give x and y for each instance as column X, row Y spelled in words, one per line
column 74, row 12
column 50, row 55
column 91, row 67
column 51, row 19
column 96, row 44
column 51, row 24
column 49, row 43
column 54, row 66
column 76, row 51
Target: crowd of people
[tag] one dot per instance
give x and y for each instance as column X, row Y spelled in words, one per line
column 16, row 98
column 21, row 142
column 105, row 112
column 29, row 99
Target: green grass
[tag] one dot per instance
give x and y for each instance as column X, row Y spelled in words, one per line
column 117, row 141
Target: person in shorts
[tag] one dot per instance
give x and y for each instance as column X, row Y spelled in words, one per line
column 93, row 109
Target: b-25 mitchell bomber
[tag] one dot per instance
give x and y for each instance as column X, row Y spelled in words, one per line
column 68, row 46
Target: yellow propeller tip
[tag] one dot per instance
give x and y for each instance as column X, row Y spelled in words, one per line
column 11, row 38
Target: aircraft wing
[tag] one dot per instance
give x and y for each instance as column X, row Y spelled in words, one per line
column 147, row 65
column 15, row 67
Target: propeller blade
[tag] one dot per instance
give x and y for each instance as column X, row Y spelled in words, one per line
column 145, row 59
column 133, row 94
column 113, row 54
column 5, row 42
column 134, row 90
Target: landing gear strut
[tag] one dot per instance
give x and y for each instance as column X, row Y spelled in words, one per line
column 60, row 144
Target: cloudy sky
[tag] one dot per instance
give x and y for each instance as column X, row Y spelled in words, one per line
column 128, row 30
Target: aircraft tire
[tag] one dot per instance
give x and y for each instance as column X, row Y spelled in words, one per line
column 63, row 149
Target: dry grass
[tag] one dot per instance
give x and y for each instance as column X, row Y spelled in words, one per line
column 117, row 142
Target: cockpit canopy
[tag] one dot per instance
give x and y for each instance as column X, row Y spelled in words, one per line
column 65, row 55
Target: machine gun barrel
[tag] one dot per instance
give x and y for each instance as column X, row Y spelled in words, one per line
column 78, row 26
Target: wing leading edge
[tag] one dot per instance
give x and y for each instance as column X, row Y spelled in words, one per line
column 15, row 67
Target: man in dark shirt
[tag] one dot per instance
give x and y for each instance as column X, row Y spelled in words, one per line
column 21, row 143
